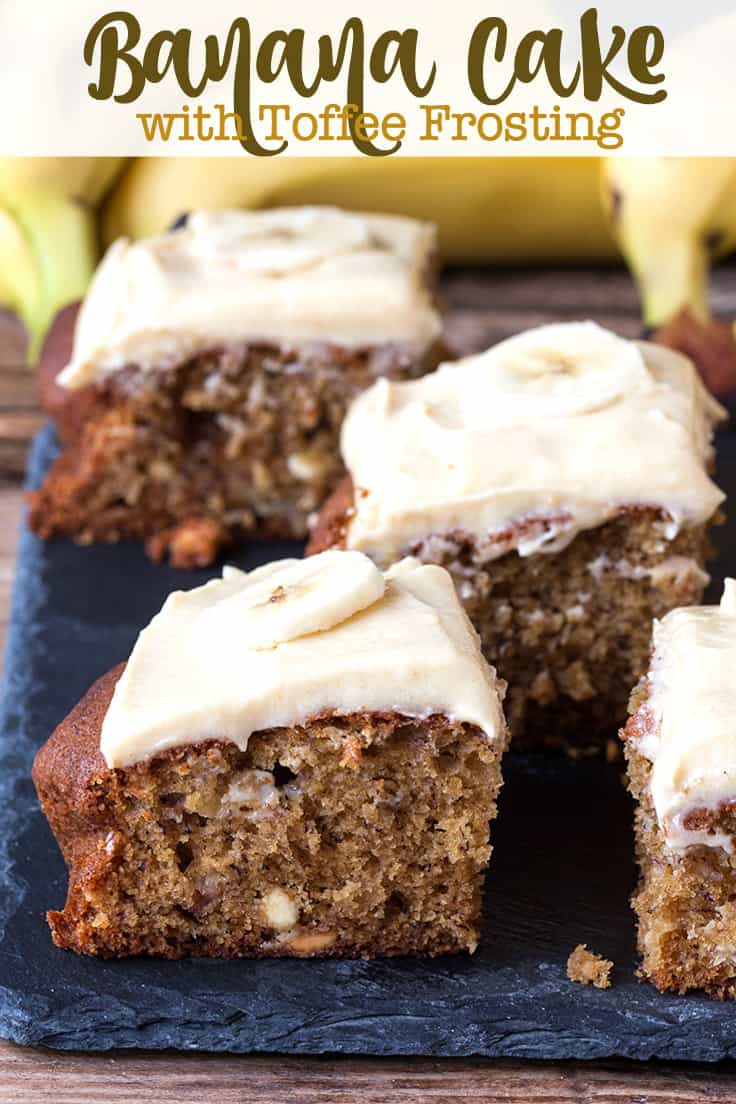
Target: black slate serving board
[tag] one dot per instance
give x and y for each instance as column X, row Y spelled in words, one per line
column 561, row 874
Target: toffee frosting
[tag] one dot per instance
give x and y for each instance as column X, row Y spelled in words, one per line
column 288, row 276
column 690, row 737
column 543, row 435
column 294, row 639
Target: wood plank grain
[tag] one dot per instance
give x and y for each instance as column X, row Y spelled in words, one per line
column 13, row 340
column 468, row 331
column 45, row 1077
column 17, row 386
column 20, row 417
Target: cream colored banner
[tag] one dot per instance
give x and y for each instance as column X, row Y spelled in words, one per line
column 461, row 78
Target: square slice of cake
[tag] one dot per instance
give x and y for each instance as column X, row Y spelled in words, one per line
column 200, row 390
column 562, row 479
column 680, row 744
column 303, row 760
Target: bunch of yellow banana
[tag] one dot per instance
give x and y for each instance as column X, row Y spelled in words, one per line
column 49, row 241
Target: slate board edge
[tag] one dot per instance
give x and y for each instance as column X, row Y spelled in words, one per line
column 547, row 1046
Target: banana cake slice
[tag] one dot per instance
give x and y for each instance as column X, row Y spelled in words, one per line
column 561, row 477
column 680, row 743
column 200, row 390
column 302, row 760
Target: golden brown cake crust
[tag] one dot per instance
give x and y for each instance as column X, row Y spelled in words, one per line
column 71, row 760
column 330, row 527
column 333, row 824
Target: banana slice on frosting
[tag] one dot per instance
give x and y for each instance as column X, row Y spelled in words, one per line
column 562, row 370
column 277, row 242
column 293, row 598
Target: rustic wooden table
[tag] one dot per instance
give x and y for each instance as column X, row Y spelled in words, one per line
column 483, row 308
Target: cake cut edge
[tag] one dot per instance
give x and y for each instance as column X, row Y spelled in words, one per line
column 356, row 863
column 685, row 897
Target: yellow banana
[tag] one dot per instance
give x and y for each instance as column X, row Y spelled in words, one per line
column 61, row 251
column 20, row 278
column 504, row 210
column 87, row 179
column 48, row 236
column 672, row 216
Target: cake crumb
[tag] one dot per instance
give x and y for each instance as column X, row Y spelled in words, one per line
column 589, row 968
